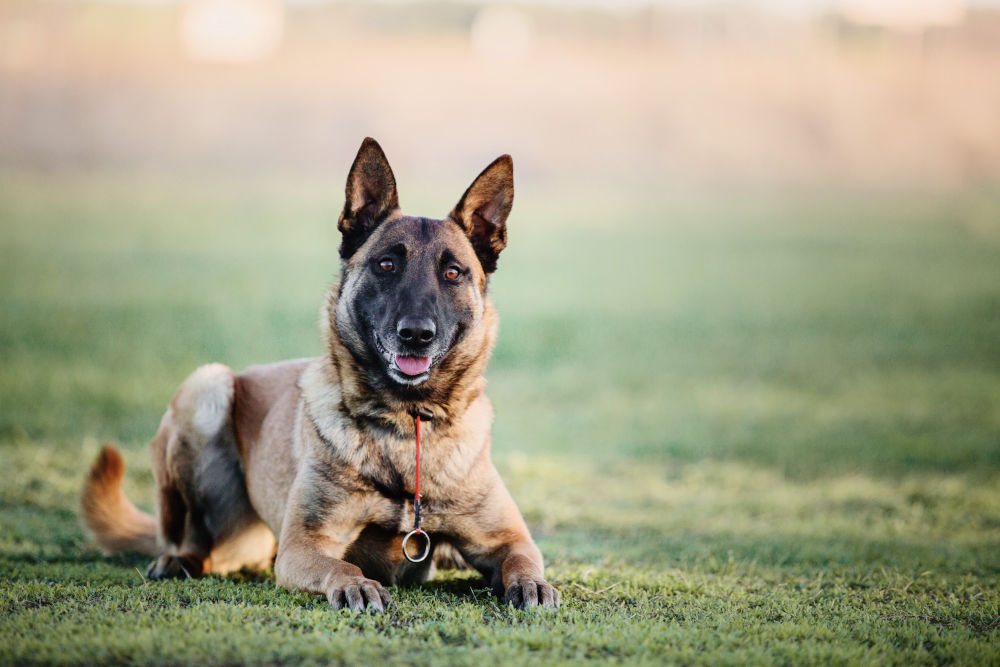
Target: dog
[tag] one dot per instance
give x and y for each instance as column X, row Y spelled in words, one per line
column 310, row 464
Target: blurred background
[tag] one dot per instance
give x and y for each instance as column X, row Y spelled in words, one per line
column 849, row 93
column 755, row 245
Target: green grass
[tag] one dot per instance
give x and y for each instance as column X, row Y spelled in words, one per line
column 743, row 429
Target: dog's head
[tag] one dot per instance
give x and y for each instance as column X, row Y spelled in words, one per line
column 412, row 288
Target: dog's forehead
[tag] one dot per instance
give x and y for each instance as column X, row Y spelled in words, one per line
column 418, row 234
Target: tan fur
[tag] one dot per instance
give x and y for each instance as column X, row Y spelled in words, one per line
column 311, row 453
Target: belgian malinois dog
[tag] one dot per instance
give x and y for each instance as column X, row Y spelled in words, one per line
column 310, row 464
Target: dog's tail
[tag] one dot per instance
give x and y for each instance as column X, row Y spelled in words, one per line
column 117, row 524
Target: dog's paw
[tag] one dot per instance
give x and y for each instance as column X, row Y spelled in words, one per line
column 173, row 567
column 358, row 594
column 527, row 593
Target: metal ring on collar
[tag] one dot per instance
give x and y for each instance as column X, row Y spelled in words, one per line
column 427, row 546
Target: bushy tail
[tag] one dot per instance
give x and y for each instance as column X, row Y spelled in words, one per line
column 117, row 524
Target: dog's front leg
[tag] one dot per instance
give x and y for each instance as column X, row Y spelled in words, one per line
column 304, row 566
column 496, row 542
column 521, row 579
column 310, row 557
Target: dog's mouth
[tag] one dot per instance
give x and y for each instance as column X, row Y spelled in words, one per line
column 413, row 366
column 405, row 369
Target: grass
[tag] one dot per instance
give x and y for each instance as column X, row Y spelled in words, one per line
column 753, row 430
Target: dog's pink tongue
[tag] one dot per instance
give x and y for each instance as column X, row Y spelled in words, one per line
column 413, row 365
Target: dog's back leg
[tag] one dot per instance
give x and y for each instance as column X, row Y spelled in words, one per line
column 187, row 541
column 206, row 520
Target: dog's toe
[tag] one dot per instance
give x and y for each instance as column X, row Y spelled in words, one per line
column 172, row 567
column 359, row 594
column 529, row 593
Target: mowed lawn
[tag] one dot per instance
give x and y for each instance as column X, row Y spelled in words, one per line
column 744, row 428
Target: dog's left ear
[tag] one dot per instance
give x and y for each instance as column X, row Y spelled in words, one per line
column 370, row 197
column 483, row 209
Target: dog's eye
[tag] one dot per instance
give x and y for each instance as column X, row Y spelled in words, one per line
column 451, row 273
column 387, row 265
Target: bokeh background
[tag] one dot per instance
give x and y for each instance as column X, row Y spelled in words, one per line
column 856, row 93
column 750, row 307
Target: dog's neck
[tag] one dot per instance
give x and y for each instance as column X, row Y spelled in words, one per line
column 455, row 383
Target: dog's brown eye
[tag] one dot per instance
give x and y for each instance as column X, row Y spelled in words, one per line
column 386, row 265
column 451, row 273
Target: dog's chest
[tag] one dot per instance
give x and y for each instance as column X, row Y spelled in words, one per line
column 376, row 476
column 390, row 488
column 397, row 514
column 388, row 472
column 378, row 547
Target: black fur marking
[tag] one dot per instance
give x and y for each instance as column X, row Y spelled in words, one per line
column 385, row 478
column 394, row 492
column 322, row 497
column 317, row 507
column 428, row 228
column 322, row 438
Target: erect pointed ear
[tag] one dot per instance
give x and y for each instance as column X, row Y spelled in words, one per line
column 371, row 197
column 483, row 209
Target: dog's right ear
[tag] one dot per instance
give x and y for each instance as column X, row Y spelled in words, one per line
column 370, row 197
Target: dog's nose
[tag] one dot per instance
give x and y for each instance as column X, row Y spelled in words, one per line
column 416, row 330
